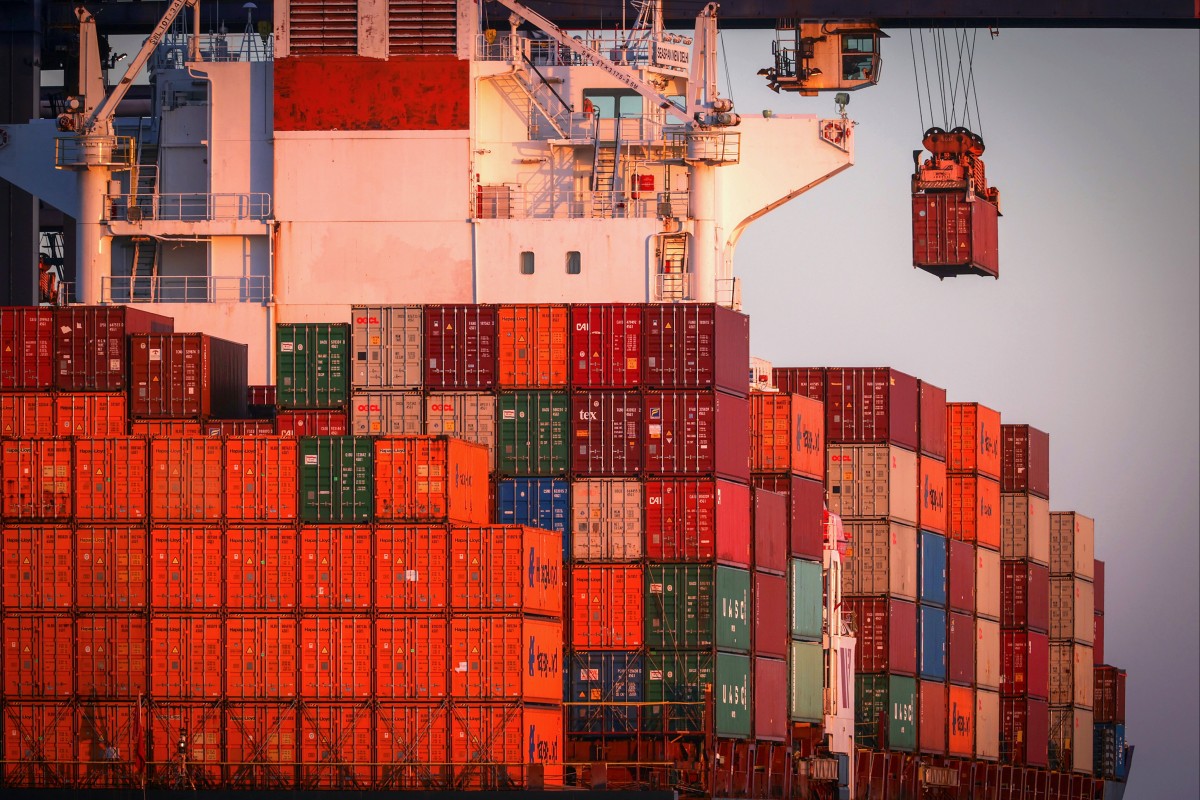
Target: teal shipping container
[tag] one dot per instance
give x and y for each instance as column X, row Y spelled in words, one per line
column 807, row 593
column 336, row 478
column 312, row 366
column 732, row 701
column 885, row 712
column 533, row 431
column 693, row 606
column 806, row 682
column 677, row 680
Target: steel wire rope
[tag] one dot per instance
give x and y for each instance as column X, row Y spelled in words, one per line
column 939, row 47
column 912, row 46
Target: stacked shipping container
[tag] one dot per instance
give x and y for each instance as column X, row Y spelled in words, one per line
column 1072, row 606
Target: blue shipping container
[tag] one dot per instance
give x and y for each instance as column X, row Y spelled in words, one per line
column 539, row 502
column 604, row 681
column 932, row 636
column 1109, row 751
column 933, row 569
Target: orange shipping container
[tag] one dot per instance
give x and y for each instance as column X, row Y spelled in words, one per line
column 103, row 728
column 37, row 479
column 186, row 657
column 932, row 512
column 412, row 744
column 165, row 427
column 787, row 435
column 532, row 347
column 492, row 744
column 27, row 415
column 412, row 657
column 44, row 733
column 90, row 414
column 506, row 568
column 335, row 568
column 260, row 478
column 335, row 746
column 607, row 607
column 261, row 745
column 961, row 716
column 37, row 568
column 185, row 568
column 431, row 479
column 38, row 656
column 411, row 567
column 260, row 657
column 185, row 479
column 110, row 654
column 335, row 657
column 201, row 726
column 974, row 510
column 111, row 481
column 110, row 568
column 973, row 431
column 506, row 657
column 261, row 564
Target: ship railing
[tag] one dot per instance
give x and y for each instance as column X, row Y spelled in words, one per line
column 174, row 51
column 188, row 207
column 673, row 287
column 729, row 293
column 712, row 146
column 185, row 289
column 84, row 151
column 519, row 201
column 542, row 51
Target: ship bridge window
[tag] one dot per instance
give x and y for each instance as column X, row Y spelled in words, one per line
column 526, row 262
column 574, row 262
column 612, row 103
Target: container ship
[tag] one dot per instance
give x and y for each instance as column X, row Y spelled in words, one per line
column 390, row 424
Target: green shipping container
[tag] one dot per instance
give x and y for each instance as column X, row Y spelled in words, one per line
column 695, row 606
column 806, row 682
column 733, row 696
column 336, row 478
column 885, row 701
column 807, row 592
column 533, row 430
column 677, row 679
column 312, row 365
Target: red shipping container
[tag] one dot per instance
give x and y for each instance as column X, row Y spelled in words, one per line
column 336, row 659
column 605, row 426
column 697, row 520
column 1098, row 583
column 37, row 569
column 973, row 510
column 1025, row 731
column 335, row 568
column 1024, row 595
column 772, row 619
column 506, row 657
column 90, row 414
column 186, row 657
column 806, row 506
column 111, row 479
column 412, row 657
column 111, row 568
column 931, row 513
column 37, row 479
column 1025, row 460
column 960, row 575
column 412, row 568
column 38, row 656
column 865, row 405
column 202, row 725
column 261, row 567
column 408, row 739
column 770, row 539
column 607, row 607
column 261, row 744
column 770, row 687
column 606, row 346
column 295, row 422
column 431, row 479
column 45, row 733
column 460, row 347
column 335, row 746
column 185, row 568
column 887, row 635
column 506, row 568
column 111, row 656
column 1097, row 639
column 974, row 439
column 260, row 657
column 955, row 235
column 531, row 347
column 960, row 648
column 89, row 345
column 490, row 745
column 804, row 381
column 260, row 478
column 186, row 376
column 1025, row 664
column 27, row 416
column 260, row 396
column 239, row 427
column 104, row 728
column 931, row 711
column 186, row 479
column 931, row 420
column 26, row 348
column 165, row 427
column 787, row 434
column 697, row 433
column 696, row 346
column 1109, row 695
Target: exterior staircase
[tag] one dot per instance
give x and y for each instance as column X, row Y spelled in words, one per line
column 671, row 255
column 604, row 178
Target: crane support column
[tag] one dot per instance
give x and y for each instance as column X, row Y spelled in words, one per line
column 703, row 252
column 94, row 267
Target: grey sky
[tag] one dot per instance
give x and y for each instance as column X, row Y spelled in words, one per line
column 1092, row 332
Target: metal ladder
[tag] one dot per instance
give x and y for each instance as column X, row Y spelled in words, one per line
column 605, row 162
column 536, row 107
column 143, row 193
column 671, row 256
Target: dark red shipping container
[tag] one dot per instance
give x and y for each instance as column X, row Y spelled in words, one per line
column 698, row 520
column 772, row 622
column 1025, row 731
column 1098, row 583
column 955, row 235
column 931, row 711
column 960, row 575
column 186, row 376
column 770, row 688
column 806, row 505
column 606, row 346
column 239, row 427
column 931, row 423
column 806, row 381
column 770, row 526
column 887, row 635
column 605, row 427
column 699, row 432
column 1097, row 639
column 1024, row 664
column 460, row 347
column 26, row 348
column 1024, row 595
column 89, row 345
column 1109, row 696
column 260, row 396
column 311, row 423
column 1025, row 460
column 960, row 648
column 696, row 346
column 871, row 405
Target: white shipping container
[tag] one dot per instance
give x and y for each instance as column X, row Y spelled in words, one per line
column 1072, row 544
column 1071, row 679
column 987, row 583
column 1025, row 527
column 881, row 559
column 872, row 481
column 761, row 375
column 987, row 655
column 606, row 520
column 987, row 725
column 387, row 414
column 387, row 345
column 1072, row 606
column 466, row 415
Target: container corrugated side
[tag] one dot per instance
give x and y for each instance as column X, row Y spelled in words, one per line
column 411, row 568
column 85, row 414
column 506, row 568
column 386, row 347
column 37, row 564
column 261, row 478
column 533, row 432
column 606, row 346
column 732, row 698
column 111, row 479
column 1071, row 609
column 605, row 426
column 1072, row 544
column 186, row 376
column 465, row 415
column 695, row 606
column 932, row 717
column 537, row 502
column 431, row 479
column 960, row 703
column 987, row 654
column 887, row 701
column 787, row 435
column 387, row 414
column 336, row 659
column 974, row 439
column 1071, row 680
column 37, row 479
column 695, row 346
column 606, row 519
column 605, row 691
column 932, row 578
column 26, row 348
column 531, row 347
column 27, row 415
column 806, row 503
column 700, row 432
column 111, row 568
column 871, row 405
column 607, row 607
column 1025, row 527
column 931, row 420
column 987, row 583
column 335, row 568
column 1025, row 731
column 89, row 345
column 973, row 510
column 887, row 635
column 497, row 657
column 1025, row 460
column 771, row 615
column 1071, row 739
column 1025, row 664
column 261, row 568
column 312, row 367
column 186, row 568
column 931, row 506
column 877, row 481
column 698, row 519
column 1025, row 595
column 675, row 689
column 412, row 657
column 954, row 234
column 769, row 531
column 987, row 725
column 460, row 347
column 492, row 744
column 883, row 559
column 336, row 478
column 186, row 480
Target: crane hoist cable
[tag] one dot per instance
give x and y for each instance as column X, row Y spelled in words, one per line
column 953, row 79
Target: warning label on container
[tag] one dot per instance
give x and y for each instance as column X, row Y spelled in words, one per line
column 155, row 354
column 286, row 347
column 310, row 460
